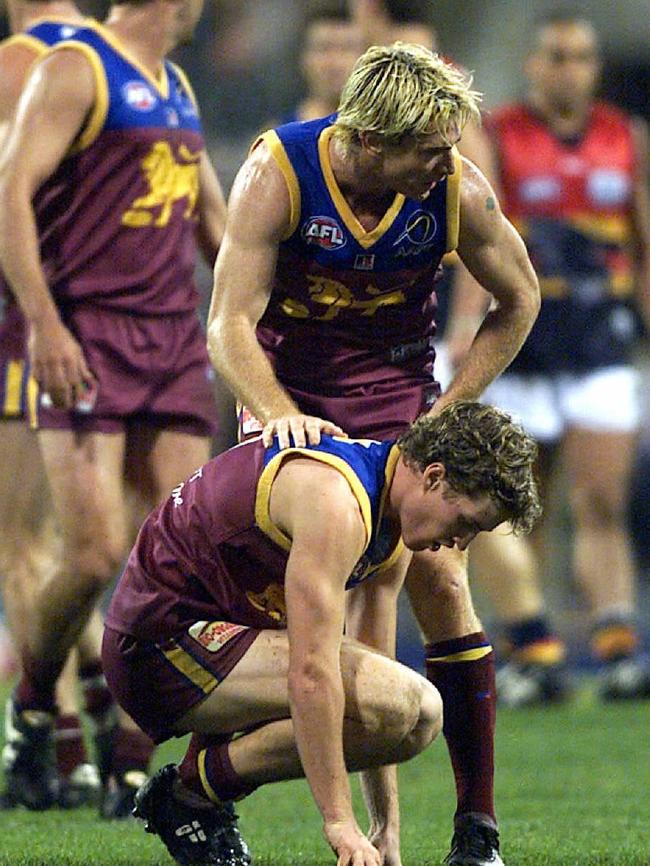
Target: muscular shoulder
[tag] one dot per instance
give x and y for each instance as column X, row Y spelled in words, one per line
column 16, row 59
column 308, row 493
column 260, row 190
column 66, row 74
column 475, row 190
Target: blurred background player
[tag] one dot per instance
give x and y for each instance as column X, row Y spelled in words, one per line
column 30, row 546
column 115, row 344
column 323, row 308
column 573, row 174
column 330, row 46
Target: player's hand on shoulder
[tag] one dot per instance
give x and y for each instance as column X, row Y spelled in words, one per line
column 349, row 844
column 298, row 430
column 58, row 364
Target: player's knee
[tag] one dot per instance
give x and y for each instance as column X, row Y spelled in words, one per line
column 96, row 562
column 600, row 508
column 428, row 721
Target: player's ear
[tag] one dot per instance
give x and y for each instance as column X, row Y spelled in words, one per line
column 433, row 475
column 371, row 142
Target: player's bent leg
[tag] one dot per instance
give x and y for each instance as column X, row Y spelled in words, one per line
column 391, row 713
column 460, row 663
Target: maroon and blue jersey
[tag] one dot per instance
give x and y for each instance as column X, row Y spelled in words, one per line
column 117, row 219
column 348, row 306
column 212, row 551
column 572, row 201
column 17, row 389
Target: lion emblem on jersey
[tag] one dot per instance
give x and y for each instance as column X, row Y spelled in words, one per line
column 271, row 602
column 169, row 181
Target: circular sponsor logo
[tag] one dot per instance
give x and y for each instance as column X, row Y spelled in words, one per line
column 139, row 96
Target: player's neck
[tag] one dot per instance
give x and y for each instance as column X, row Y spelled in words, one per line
column 145, row 35
column 565, row 121
column 23, row 15
column 359, row 184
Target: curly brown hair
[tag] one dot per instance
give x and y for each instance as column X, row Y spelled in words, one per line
column 484, row 452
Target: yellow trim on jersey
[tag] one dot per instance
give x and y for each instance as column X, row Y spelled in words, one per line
column 190, row 668
column 99, row 111
column 263, row 495
column 272, row 140
column 363, row 238
column 207, row 787
column 160, row 82
column 453, row 202
column 13, row 387
column 32, row 402
column 391, row 465
column 26, row 40
column 185, row 81
column 470, row 655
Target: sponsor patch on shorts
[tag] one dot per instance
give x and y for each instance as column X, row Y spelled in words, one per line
column 213, row 635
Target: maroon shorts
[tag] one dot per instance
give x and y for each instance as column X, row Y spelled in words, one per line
column 158, row 683
column 379, row 411
column 150, row 370
column 18, row 391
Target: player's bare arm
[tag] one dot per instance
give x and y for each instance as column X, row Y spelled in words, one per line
column 641, row 219
column 372, row 619
column 211, row 211
column 469, row 302
column 314, row 506
column 15, row 61
column 496, row 257
column 52, row 110
column 259, row 213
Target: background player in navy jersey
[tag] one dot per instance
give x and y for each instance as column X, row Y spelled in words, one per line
column 232, row 609
column 107, row 141
column 324, row 308
column 574, row 176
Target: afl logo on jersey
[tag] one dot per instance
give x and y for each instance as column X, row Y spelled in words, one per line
column 325, row 232
column 139, row 96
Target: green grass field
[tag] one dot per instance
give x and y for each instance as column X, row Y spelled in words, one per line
column 572, row 790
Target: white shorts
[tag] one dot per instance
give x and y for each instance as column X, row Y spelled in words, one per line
column 605, row 401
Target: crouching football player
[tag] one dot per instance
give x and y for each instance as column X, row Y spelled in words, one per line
column 229, row 619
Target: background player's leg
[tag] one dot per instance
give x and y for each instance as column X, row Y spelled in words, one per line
column 598, row 466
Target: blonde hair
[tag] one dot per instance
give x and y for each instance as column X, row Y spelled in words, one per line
column 404, row 90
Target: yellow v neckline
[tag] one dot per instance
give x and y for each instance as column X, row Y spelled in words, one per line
column 364, row 238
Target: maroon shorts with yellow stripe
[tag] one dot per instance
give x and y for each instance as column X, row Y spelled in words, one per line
column 18, row 391
column 157, row 683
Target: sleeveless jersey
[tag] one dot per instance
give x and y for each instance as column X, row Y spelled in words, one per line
column 211, row 550
column 117, row 219
column 572, row 202
column 350, row 307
